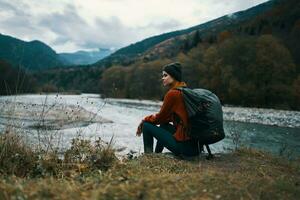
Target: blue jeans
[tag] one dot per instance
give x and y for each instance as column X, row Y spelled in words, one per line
column 164, row 137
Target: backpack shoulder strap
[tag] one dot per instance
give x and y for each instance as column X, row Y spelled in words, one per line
column 180, row 88
column 191, row 104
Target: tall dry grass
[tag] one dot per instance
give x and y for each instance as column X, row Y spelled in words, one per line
column 20, row 159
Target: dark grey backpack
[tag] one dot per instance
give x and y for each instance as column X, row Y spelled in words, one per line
column 205, row 116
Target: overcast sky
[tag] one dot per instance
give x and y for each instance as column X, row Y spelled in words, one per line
column 71, row 25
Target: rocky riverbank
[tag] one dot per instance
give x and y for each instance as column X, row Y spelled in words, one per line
column 282, row 118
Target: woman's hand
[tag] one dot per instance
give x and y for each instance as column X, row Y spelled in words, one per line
column 139, row 129
column 150, row 118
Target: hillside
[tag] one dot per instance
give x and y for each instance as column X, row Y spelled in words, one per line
column 33, row 55
column 247, row 62
column 279, row 18
column 128, row 54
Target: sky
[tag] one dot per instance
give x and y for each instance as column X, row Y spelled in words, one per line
column 72, row 25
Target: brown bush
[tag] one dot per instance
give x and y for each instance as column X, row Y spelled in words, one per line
column 15, row 156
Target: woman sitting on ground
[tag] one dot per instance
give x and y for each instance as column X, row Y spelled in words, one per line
column 172, row 119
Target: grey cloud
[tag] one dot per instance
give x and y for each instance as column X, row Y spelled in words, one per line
column 236, row 5
column 109, row 23
column 60, row 40
column 23, row 22
column 16, row 19
column 5, row 5
column 110, row 32
column 221, row 8
column 16, row 7
column 166, row 25
column 63, row 23
column 247, row 4
column 70, row 27
column 19, row 17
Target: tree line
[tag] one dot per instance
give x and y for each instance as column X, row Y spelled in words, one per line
column 241, row 70
column 15, row 80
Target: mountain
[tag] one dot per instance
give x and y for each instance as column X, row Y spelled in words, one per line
column 33, row 55
column 128, row 54
column 248, row 58
column 279, row 18
column 85, row 57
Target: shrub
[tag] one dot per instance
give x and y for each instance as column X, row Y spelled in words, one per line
column 87, row 155
column 15, row 156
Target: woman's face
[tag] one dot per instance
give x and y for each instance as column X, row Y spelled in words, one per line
column 167, row 79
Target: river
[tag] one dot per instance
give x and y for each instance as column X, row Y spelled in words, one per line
column 91, row 117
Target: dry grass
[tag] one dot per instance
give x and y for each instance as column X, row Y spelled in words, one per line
column 15, row 156
column 244, row 174
column 19, row 159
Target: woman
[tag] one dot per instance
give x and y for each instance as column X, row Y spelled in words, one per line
column 172, row 136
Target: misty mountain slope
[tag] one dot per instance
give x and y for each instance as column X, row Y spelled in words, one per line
column 85, row 57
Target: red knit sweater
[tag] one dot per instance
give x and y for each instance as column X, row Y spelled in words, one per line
column 173, row 105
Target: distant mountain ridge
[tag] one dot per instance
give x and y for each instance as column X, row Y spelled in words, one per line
column 33, row 55
column 85, row 57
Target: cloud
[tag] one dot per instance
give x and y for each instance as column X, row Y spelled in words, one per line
column 215, row 8
column 72, row 30
column 71, row 25
column 16, row 21
column 7, row 6
column 66, row 26
column 165, row 26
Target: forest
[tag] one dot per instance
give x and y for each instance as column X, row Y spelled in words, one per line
column 246, row 71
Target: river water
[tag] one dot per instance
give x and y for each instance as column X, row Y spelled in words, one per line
column 275, row 131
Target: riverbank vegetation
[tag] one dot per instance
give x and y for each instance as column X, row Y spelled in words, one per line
column 20, row 159
column 15, row 80
column 92, row 171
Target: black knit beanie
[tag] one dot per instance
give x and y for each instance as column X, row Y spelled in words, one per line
column 173, row 69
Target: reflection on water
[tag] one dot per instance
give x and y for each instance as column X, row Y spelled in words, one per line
column 270, row 138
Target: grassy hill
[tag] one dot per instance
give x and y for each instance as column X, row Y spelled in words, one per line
column 33, row 55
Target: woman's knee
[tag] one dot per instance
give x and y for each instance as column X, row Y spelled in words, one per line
column 146, row 126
